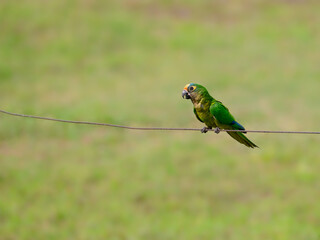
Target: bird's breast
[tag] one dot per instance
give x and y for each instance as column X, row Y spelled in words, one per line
column 203, row 112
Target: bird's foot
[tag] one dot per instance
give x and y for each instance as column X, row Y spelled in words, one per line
column 217, row 130
column 205, row 129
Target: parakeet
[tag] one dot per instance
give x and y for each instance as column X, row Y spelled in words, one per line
column 213, row 113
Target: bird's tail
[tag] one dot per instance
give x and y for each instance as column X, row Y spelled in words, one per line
column 241, row 138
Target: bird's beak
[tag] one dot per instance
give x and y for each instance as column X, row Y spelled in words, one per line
column 185, row 94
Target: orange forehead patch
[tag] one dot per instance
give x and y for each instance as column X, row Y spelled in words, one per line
column 186, row 86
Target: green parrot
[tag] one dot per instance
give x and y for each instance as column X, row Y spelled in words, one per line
column 213, row 113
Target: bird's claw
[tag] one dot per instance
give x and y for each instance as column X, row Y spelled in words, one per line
column 205, row 129
column 217, row 130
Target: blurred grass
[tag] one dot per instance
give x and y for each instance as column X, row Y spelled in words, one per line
column 126, row 62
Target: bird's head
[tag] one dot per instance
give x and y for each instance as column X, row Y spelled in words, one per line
column 193, row 91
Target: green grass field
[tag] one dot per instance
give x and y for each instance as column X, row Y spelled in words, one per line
column 126, row 62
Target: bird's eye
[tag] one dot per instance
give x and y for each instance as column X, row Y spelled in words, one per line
column 192, row 88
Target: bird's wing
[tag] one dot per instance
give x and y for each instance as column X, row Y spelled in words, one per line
column 221, row 113
column 223, row 116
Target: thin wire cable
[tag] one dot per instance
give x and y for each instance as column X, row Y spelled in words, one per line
column 150, row 128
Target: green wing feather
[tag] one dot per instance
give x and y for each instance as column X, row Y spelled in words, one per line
column 221, row 113
column 225, row 120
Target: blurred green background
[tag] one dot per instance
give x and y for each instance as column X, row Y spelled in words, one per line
column 126, row 62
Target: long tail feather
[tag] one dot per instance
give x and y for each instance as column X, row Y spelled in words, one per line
column 242, row 139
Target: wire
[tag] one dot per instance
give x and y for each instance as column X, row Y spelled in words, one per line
column 149, row 128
